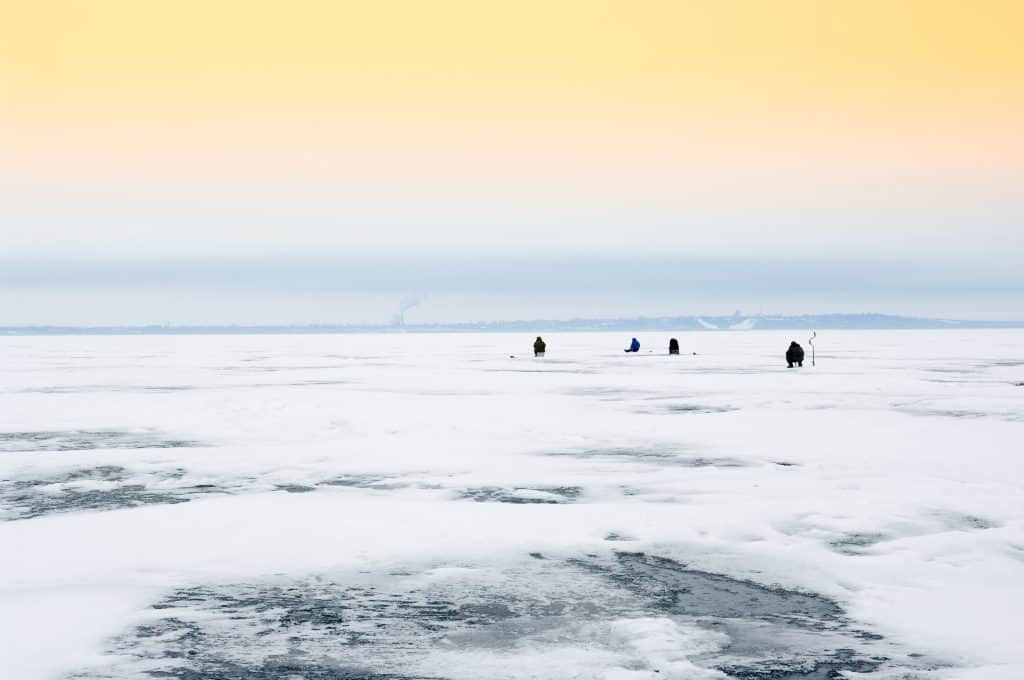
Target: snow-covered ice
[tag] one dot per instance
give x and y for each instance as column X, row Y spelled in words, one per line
column 447, row 506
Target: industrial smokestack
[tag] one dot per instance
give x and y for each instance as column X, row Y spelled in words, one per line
column 407, row 303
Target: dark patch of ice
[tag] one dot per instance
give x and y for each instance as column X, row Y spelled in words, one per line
column 1013, row 416
column 948, row 413
column 295, row 488
column 698, row 408
column 313, row 628
column 604, row 393
column 960, row 522
column 656, row 453
column 380, row 482
column 185, row 650
column 383, row 625
column 113, row 487
column 276, row 669
column 775, row 633
column 83, row 389
column 856, row 543
column 672, row 586
column 653, row 455
column 522, row 494
column 683, row 403
column 86, row 440
column 836, row 669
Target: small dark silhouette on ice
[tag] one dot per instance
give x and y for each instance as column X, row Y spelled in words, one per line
column 795, row 355
column 673, row 346
column 539, row 346
column 634, row 346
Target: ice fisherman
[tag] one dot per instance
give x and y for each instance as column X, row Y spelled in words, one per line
column 673, row 346
column 539, row 346
column 634, row 346
column 794, row 355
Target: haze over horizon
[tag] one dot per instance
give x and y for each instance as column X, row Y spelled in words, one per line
column 255, row 162
column 372, row 290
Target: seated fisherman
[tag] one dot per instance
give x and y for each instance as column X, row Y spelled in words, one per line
column 795, row 355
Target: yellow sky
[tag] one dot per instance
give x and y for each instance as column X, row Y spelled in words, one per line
column 539, row 112
column 123, row 85
column 72, row 60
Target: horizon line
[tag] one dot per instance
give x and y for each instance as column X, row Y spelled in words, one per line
column 702, row 323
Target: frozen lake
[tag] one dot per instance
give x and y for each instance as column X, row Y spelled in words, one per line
column 447, row 506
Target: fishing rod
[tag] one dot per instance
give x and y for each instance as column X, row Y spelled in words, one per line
column 810, row 341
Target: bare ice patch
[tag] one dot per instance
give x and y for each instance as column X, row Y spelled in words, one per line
column 366, row 481
column 114, row 487
column 630, row 614
column 87, row 389
column 869, row 540
column 927, row 409
column 105, row 487
column 653, row 455
column 87, row 440
column 522, row 494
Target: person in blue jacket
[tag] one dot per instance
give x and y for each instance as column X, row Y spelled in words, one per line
column 634, row 346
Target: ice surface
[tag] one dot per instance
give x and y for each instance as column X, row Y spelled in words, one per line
column 83, row 440
column 427, row 506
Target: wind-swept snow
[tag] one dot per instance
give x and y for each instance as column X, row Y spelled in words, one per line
column 426, row 506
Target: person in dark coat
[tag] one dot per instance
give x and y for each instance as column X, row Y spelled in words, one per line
column 634, row 346
column 673, row 346
column 795, row 355
column 539, row 346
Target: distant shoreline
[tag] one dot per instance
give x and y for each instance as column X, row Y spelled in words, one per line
column 736, row 323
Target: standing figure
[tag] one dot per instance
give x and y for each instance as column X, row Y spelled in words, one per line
column 634, row 346
column 795, row 355
column 538, row 347
column 673, row 346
